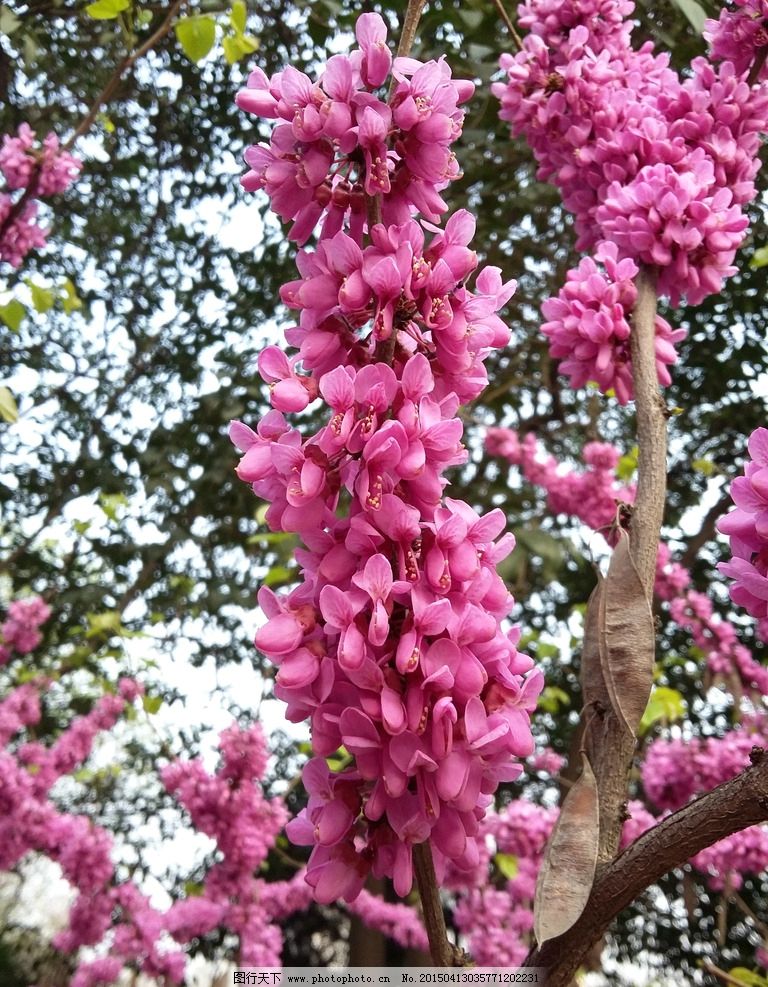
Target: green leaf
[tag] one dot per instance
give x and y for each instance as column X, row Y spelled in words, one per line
column 627, row 465
column 237, row 46
column 193, row 889
column 747, row 978
column 704, row 466
column 42, row 298
column 507, row 864
column 70, row 300
column 106, row 10
column 109, row 503
column 279, row 575
column 13, row 314
column 9, row 22
column 108, row 622
column 759, row 258
column 552, row 698
column 109, row 128
column 694, row 12
column 8, row 410
column 238, row 16
column 151, row 704
column 665, row 704
column 196, row 35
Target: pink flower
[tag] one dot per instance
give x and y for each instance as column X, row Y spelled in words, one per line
column 376, row 61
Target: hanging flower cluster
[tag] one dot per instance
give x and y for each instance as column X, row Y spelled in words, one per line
column 340, row 142
column 20, row 631
column 594, row 496
column 230, row 807
column 393, row 644
column 740, row 36
column 35, row 173
column 658, row 165
column 747, row 528
column 588, row 327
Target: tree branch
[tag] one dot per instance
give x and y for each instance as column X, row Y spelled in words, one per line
column 730, row 808
column 509, row 25
column 651, row 433
column 443, row 952
column 408, row 33
column 108, row 91
column 610, row 745
column 706, row 532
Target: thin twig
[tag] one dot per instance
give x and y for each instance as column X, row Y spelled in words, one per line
column 761, row 927
column 410, row 23
column 443, row 952
column 106, row 93
column 508, row 24
column 721, row 974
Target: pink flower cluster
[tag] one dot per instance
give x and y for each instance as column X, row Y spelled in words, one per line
column 40, row 173
column 339, row 143
column 675, row 771
column 392, row 645
column 20, row 631
column 594, row 496
column 740, row 36
column 29, row 820
column 588, row 327
column 229, row 806
column 659, row 166
column 747, row 528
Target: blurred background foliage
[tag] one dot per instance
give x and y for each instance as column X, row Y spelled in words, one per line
column 131, row 342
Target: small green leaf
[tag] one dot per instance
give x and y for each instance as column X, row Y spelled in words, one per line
column 759, row 258
column 109, row 503
column 42, row 298
column 143, row 18
column 279, row 575
column 104, row 121
column 13, row 314
column 552, row 698
column 238, row 16
column 193, row 889
column 151, row 704
column 9, row 22
column 237, row 46
column 8, row 410
column 546, row 650
column 106, row 10
column 196, row 35
column 70, row 300
column 746, row 978
column 627, row 465
column 665, row 704
column 694, row 12
column 108, row 622
column 31, row 49
column 507, row 864
column 704, row 466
